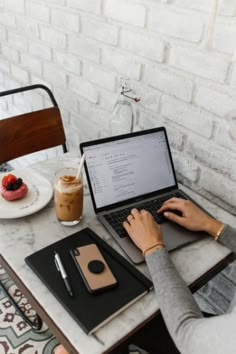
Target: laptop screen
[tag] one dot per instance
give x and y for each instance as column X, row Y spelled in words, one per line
column 128, row 167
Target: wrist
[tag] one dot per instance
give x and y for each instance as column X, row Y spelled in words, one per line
column 153, row 248
column 214, row 228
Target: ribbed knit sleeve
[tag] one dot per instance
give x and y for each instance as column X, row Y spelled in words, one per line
column 228, row 238
column 191, row 333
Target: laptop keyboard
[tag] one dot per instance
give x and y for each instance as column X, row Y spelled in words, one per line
column 116, row 218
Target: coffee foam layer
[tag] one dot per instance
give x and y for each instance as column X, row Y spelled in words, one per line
column 68, row 184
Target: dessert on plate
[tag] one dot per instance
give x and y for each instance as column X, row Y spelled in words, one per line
column 13, row 188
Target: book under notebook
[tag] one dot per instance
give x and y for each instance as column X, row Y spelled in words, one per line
column 90, row 310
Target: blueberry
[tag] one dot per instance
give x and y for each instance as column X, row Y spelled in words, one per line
column 9, row 186
column 19, row 181
column 15, row 186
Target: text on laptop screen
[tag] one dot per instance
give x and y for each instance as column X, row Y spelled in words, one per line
column 128, row 168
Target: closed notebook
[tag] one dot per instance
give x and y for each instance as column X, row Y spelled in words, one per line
column 91, row 311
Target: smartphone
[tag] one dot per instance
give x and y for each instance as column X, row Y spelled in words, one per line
column 95, row 272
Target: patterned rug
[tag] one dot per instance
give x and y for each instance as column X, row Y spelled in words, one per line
column 215, row 296
column 16, row 336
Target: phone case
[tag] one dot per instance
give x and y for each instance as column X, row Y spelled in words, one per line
column 93, row 268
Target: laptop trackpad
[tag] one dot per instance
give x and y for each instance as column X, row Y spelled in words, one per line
column 176, row 236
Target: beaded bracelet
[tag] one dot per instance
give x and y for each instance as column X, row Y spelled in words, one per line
column 155, row 244
column 216, row 237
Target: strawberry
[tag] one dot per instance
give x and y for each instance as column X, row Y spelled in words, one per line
column 8, row 179
column 11, row 178
column 4, row 181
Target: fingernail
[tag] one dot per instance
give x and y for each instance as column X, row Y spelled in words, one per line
column 166, row 214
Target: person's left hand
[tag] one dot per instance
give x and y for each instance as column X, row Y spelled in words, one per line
column 143, row 229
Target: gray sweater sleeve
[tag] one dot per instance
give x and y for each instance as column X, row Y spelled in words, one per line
column 191, row 333
column 228, row 238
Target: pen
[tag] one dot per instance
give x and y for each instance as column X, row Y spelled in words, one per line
column 63, row 273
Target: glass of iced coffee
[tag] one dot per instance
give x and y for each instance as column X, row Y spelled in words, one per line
column 68, row 196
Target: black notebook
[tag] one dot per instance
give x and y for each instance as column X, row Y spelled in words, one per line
column 91, row 311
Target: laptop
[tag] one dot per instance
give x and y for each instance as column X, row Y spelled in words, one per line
column 133, row 170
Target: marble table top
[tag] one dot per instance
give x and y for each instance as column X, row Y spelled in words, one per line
column 23, row 236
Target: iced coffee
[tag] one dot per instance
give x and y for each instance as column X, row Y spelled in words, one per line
column 68, row 195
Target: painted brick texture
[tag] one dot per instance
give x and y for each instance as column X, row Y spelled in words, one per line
column 81, row 48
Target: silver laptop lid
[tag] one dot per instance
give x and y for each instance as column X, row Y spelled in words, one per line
column 127, row 168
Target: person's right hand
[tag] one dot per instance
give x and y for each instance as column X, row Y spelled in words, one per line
column 192, row 217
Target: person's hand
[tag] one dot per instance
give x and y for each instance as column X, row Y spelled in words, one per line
column 192, row 217
column 60, row 350
column 143, row 230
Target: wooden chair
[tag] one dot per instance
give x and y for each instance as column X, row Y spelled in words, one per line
column 30, row 132
column 27, row 133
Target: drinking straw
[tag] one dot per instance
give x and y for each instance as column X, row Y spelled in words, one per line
column 81, row 164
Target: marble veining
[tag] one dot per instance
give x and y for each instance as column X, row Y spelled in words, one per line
column 24, row 236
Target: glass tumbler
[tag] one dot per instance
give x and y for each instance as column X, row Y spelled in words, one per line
column 68, row 196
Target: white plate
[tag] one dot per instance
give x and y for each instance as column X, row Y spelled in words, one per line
column 39, row 194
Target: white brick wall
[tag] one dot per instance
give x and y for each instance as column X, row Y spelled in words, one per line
column 169, row 82
column 67, row 100
column 101, row 77
column 214, row 101
column 53, row 37
column 31, row 64
column 121, row 62
column 187, row 167
column 81, row 48
column 227, row 7
column 125, row 11
column 9, row 52
column 213, row 156
column 68, row 21
column 84, row 48
column 19, row 74
column 17, row 41
column 233, row 77
column 142, row 44
column 91, row 6
column 40, row 50
column 29, row 28
column 37, row 11
column 83, row 88
column 100, row 30
column 215, row 185
column 6, row 19
column 202, row 5
column 15, row 5
column 223, row 31
column 177, row 24
column 67, row 62
column 3, row 33
column 207, row 65
column 188, row 116
column 54, row 74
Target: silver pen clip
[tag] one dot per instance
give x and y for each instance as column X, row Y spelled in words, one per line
column 55, row 260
